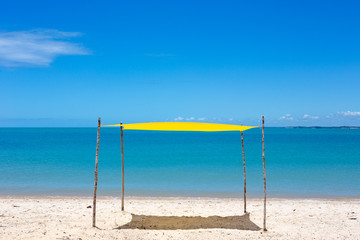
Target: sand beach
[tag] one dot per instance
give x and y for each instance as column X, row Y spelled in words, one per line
column 177, row 218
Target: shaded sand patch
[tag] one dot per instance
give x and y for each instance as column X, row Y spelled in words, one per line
column 185, row 222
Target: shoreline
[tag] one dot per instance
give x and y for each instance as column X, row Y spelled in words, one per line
column 177, row 198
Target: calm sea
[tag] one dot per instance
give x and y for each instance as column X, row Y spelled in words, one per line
column 299, row 162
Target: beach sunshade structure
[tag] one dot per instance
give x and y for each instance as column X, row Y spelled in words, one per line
column 178, row 126
column 181, row 126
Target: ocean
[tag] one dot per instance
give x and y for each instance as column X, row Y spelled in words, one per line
column 300, row 162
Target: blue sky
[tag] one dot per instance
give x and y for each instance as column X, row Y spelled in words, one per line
column 64, row 63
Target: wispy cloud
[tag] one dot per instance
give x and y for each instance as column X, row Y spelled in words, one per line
column 345, row 114
column 36, row 47
column 286, row 117
column 343, row 118
column 349, row 113
column 307, row 116
column 189, row 119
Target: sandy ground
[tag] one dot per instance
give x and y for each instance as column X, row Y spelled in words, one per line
column 177, row 218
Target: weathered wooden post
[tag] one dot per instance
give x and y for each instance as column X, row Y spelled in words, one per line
column 122, row 167
column 243, row 152
column 264, row 172
column 96, row 172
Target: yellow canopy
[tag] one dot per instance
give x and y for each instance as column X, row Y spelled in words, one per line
column 182, row 126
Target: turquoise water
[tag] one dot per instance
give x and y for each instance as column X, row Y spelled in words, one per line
column 299, row 162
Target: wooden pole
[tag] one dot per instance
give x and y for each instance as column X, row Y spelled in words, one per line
column 243, row 152
column 96, row 172
column 122, row 167
column 264, row 172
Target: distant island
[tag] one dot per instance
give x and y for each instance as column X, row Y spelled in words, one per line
column 340, row 127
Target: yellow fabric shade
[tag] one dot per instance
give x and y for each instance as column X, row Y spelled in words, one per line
column 182, row 126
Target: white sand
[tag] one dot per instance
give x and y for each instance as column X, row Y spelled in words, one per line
column 69, row 218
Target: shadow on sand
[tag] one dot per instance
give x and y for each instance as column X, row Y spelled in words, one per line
column 173, row 222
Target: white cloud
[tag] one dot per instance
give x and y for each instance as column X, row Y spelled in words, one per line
column 231, row 119
column 307, row 116
column 188, row 119
column 286, row 117
column 343, row 118
column 349, row 113
column 36, row 47
column 346, row 114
